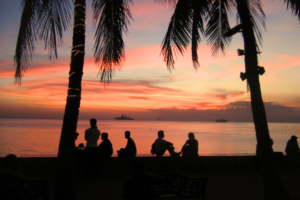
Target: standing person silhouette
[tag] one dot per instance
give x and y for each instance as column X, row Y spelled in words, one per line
column 91, row 136
column 160, row 146
column 190, row 148
column 130, row 149
column 105, row 148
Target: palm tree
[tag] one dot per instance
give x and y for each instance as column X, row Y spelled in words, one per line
column 187, row 25
column 46, row 20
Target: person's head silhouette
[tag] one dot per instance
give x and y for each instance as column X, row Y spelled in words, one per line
column 104, row 136
column 294, row 137
column 161, row 134
column 191, row 135
column 11, row 162
column 127, row 134
column 93, row 122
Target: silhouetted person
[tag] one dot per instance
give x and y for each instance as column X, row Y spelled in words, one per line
column 11, row 167
column 75, row 138
column 90, row 153
column 190, row 148
column 292, row 147
column 130, row 149
column 79, row 155
column 138, row 185
column 160, row 146
column 105, row 148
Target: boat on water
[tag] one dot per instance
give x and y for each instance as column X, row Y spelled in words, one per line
column 221, row 120
column 123, row 117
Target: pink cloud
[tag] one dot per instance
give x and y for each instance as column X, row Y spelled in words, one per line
column 278, row 62
column 52, row 93
column 149, row 15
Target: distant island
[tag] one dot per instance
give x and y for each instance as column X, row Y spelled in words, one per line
column 221, row 120
column 123, row 117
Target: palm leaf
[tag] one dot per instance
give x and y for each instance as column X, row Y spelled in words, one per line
column 177, row 37
column 294, row 5
column 54, row 17
column 183, row 27
column 26, row 37
column 257, row 17
column 200, row 8
column 111, row 18
column 218, row 25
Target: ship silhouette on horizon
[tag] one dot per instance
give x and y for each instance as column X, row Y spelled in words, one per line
column 123, row 117
column 221, row 120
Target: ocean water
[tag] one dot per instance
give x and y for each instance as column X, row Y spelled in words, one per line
column 40, row 137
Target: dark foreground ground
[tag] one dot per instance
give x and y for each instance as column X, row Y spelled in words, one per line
column 222, row 185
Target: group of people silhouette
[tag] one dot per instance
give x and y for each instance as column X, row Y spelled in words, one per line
column 105, row 149
column 93, row 151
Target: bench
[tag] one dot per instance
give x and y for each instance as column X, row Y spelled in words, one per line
column 170, row 185
column 14, row 188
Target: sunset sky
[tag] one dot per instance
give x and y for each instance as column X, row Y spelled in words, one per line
column 145, row 89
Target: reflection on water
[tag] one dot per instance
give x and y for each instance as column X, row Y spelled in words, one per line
column 40, row 137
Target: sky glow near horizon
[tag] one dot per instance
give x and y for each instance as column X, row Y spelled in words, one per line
column 145, row 88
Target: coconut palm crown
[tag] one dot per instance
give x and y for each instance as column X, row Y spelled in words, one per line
column 48, row 19
column 187, row 26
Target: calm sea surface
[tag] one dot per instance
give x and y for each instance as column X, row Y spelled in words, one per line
column 40, row 137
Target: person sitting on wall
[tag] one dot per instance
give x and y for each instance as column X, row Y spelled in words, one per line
column 292, row 147
column 105, row 148
column 11, row 167
column 160, row 146
column 79, row 155
column 190, row 148
column 130, row 149
column 80, row 147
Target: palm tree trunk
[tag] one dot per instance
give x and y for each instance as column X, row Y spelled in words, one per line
column 273, row 185
column 64, row 183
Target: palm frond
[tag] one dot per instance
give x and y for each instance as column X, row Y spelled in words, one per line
column 218, row 25
column 111, row 18
column 257, row 17
column 54, row 18
column 294, row 5
column 26, row 37
column 178, row 35
column 200, row 8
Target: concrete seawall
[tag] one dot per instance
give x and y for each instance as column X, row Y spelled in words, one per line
column 47, row 165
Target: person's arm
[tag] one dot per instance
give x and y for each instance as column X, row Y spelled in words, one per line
column 185, row 144
column 98, row 134
column 111, row 149
column 170, row 143
column 196, row 147
column 85, row 136
column 127, row 145
column 296, row 145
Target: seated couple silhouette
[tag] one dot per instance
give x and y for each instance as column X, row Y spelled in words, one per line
column 160, row 146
